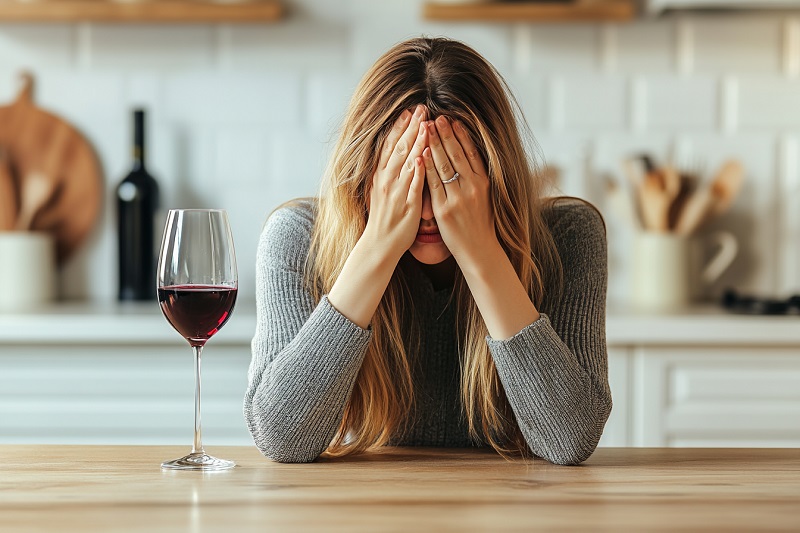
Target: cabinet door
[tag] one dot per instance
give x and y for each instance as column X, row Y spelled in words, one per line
column 113, row 394
column 616, row 432
column 716, row 397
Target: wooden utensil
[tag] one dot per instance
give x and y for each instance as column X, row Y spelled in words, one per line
column 36, row 191
column 8, row 194
column 711, row 200
column 725, row 186
column 695, row 212
column 42, row 144
column 656, row 194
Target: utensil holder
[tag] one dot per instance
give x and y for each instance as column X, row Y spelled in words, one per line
column 27, row 268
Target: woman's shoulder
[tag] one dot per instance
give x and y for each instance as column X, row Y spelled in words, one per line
column 286, row 235
column 576, row 225
column 566, row 214
column 299, row 213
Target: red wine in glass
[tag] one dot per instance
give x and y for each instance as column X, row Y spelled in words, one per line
column 197, row 287
column 197, row 311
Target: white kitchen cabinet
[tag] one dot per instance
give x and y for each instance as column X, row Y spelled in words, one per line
column 120, row 374
column 617, row 430
column 120, row 394
column 716, row 396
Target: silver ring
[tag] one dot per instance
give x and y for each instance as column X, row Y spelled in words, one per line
column 454, row 178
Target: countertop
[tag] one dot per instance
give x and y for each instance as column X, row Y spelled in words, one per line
column 122, row 488
column 143, row 323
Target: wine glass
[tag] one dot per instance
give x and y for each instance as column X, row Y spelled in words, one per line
column 197, row 285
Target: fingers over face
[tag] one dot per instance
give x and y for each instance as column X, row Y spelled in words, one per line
column 398, row 128
column 435, row 185
column 444, row 167
column 452, row 148
column 418, row 181
column 402, row 149
column 421, row 141
column 470, row 150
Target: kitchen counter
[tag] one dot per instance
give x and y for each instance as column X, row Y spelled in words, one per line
column 143, row 323
column 83, row 373
column 116, row 488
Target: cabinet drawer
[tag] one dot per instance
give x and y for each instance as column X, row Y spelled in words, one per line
column 106, row 394
column 718, row 396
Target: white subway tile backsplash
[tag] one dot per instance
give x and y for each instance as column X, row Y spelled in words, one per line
column 646, row 47
column 231, row 98
column 244, row 117
column 567, row 154
column 151, row 47
column 189, row 166
column 769, row 103
column 144, row 89
column 242, row 156
column 595, row 103
column 729, row 104
column 35, row 46
column 531, row 96
column 637, row 105
column 294, row 44
column 78, row 96
column 374, row 36
column 742, row 44
column 564, row 48
column 296, row 162
column 328, row 97
column 682, row 104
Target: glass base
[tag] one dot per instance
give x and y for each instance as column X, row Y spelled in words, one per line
column 198, row 461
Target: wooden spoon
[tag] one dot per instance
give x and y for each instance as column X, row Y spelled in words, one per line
column 36, row 191
column 712, row 200
column 656, row 194
column 726, row 186
column 695, row 212
column 8, row 196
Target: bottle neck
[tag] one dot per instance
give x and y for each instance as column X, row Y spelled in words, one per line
column 138, row 141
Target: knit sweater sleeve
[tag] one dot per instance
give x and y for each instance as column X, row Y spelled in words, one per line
column 305, row 355
column 555, row 371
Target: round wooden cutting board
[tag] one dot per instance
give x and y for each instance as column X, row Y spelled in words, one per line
column 51, row 160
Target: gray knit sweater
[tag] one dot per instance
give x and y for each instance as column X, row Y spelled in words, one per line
column 306, row 354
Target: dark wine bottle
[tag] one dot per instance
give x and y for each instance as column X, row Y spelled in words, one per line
column 137, row 202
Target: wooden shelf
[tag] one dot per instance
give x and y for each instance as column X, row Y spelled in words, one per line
column 141, row 11
column 533, row 11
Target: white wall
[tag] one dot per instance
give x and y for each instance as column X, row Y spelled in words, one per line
column 241, row 116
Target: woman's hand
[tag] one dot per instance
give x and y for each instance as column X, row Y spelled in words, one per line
column 463, row 211
column 462, row 207
column 395, row 202
column 395, row 207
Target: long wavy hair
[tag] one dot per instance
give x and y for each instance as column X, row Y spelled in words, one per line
column 449, row 78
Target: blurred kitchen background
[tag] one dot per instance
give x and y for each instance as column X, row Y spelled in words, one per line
column 241, row 117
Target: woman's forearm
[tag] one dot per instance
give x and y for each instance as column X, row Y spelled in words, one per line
column 502, row 301
column 360, row 286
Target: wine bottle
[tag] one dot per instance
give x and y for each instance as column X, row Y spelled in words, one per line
column 137, row 202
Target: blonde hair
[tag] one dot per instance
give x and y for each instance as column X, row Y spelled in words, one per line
column 449, row 78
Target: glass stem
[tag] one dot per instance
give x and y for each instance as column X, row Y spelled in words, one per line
column 197, row 447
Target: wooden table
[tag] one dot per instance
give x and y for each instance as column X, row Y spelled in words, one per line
column 116, row 488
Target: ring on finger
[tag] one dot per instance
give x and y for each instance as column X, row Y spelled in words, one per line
column 454, row 178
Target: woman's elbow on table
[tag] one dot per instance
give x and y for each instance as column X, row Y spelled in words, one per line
column 280, row 445
column 576, row 444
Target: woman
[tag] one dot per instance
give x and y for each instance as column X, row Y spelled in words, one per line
column 430, row 296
